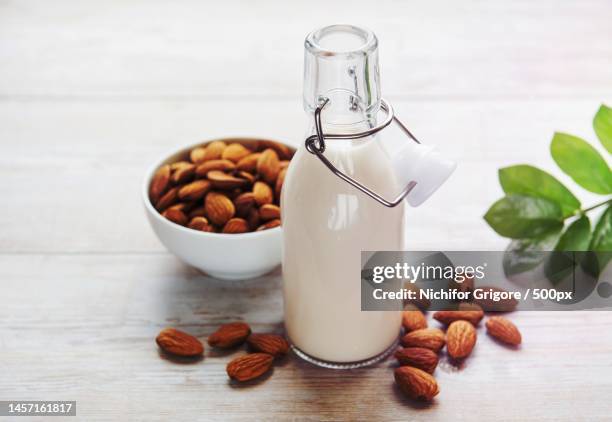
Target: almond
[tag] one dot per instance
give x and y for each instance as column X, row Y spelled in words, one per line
column 197, row 212
column 460, row 339
column 419, row 357
column 413, row 319
column 253, row 219
column 283, row 151
column 167, row 199
column 416, row 383
column 176, row 216
column 272, row 344
column 420, row 302
column 221, row 180
column 466, row 285
column 278, row 188
column 284, row 164
column 235, row 152
column 503, row 330
column 248, row 367
column 194, row 190
column 197, row 155
column 213, row 151
column 235, row 226
column 159, row 183
column 263, row 193
column 269, row 225
column 179, row 343
column 248, row 163
column 244, row 202
column 473, row 316
column 488, row 305
column 201, row 224
column 247, row 176
column 207, row 166
column 229, row 335
column 430, row 338
column 182, row 172
column 268, row 165
column 269, row 212
column 219, row 208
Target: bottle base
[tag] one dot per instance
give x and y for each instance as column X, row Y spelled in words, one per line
column 345, row 365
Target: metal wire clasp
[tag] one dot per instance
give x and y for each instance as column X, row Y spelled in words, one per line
column 315, row 144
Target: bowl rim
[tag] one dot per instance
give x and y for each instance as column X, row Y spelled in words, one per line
column 157, row 215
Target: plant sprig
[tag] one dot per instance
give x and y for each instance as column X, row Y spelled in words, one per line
column 537, row 206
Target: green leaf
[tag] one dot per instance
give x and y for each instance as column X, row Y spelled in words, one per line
column 531, row 181
column 518, row 216
column 582, row 163
column 576, row 237
column 523, row 255
column 602, row 235
column 602, row 123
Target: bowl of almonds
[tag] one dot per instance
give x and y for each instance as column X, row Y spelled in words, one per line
column 216, row 205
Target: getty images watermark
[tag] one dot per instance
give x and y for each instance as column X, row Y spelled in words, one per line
column 526, row 280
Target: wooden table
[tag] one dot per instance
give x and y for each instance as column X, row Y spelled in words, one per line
column 91, row 94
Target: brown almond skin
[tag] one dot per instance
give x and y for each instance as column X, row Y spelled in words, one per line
column 176, row 216
column 179, row 343
column 460, row 339
column 235, row 152
column 269, row 225
column 159, row 183
column 283, row 151
column 229, row 335
column 419, row 357
column 201, row 224
column 168, row 199
column 253, row 219
column 422, row 303
column 197, row 212
column 263, row 193
column 244, row 203
column 447, row 317
column 194, row 190
column 236, row 226
column 182, row 172
column 214, row 150
column 221, row 180
column 248, row 163
column 429, row 338
column 207, row 166
column 197, row 155
column 269, row 212
column 272, row 344
column 247, row 176
column 219, row 208
column 413, row 319
column 488, row 305
column 503, row 330
column 278, row 188
column 248, row 367
column 268, row 165
column 416, row 383
column 284, row 164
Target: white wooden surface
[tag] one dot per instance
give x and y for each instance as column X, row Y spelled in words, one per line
column 92, row 93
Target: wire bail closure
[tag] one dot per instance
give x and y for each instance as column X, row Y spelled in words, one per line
column 315, row 144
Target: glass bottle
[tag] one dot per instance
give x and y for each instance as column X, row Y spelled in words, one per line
column 327, row 222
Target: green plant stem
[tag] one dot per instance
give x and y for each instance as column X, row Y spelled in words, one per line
column 584, row 211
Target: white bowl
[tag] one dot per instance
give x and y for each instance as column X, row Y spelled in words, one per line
column 223, row 256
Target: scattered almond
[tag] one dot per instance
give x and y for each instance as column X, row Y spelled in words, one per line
column 419, row 357
column 229, row 335
column 473, row 316
column 413, row 319
column 179, row 343
column 416, row 383
column 460, row 339
column 430, row 338
column 248, row 367
column 489, row 305
column 503, row 330
column 272, row 344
